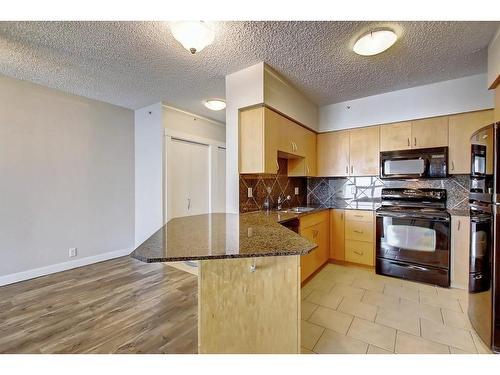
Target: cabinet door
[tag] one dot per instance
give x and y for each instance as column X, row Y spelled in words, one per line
column 461, row 128
column 395, row 136
column 430, row 132
column 337, row 234
column 287, row 134
column 460, row 234
column 271, row 136
column 310, row 154
column 333, row 154
column 310, row 262
column 364, row 151
column 305, row 145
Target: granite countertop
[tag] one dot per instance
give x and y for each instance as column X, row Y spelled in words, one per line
column 221, row 235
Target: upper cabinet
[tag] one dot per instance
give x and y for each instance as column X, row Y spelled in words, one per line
column 264, row 134
column 333, row 153
column 349, row 152
column 396, row 136
column 425, row 133
column 461, row 127
column 364, row 151
column 430, row 132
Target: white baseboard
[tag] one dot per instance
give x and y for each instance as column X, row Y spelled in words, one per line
column 47, row 270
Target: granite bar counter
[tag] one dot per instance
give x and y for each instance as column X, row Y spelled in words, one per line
column 221, row 235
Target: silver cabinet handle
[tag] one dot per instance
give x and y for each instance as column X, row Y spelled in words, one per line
column 357, row 252
column 458, row 226
column 358, row 215
column 189, row 204
column 415, row 142
column 346, row 169
column 307, row 169
column 452, row 165
column 409, row 142
column 253, row 267
column 358, row 231
column 352, row 169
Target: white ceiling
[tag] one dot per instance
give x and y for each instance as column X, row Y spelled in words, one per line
column 133, row 64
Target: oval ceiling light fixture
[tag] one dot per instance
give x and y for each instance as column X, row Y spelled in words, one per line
column 215, row 104
column 375, row 42
column 193, row 35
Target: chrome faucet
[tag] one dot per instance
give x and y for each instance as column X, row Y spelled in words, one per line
column 281, row 201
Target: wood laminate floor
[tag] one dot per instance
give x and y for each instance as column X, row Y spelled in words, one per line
column 118, row 306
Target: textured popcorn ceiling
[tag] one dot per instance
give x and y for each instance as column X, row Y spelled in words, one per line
column 133, row 64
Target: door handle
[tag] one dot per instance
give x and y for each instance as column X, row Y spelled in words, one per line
column 189, row 204
column 346, row 169
column 358, row 231
column 415, row 141
column 358, row 252
column 452, row 165
column 307, row 169
column 458, row 227
column 352, row 169
column 409, row 142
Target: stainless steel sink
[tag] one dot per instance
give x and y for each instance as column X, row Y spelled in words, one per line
column 298, row 209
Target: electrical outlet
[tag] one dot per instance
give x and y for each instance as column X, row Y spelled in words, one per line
column 296, row 191
column 72, row 252
column 250, row 193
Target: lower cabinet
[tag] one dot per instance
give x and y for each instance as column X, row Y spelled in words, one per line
column 315, row 227
column 337, row 230
column 460, row 236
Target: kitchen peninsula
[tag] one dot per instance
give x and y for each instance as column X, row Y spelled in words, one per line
column 248, row 281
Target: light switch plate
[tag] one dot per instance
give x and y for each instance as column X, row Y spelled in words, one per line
column 72, row 252
column 250, row 193
column 296, row 191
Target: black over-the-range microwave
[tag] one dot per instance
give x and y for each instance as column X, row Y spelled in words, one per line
column 417, row 163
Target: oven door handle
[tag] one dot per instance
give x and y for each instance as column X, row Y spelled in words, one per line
column 412, row 216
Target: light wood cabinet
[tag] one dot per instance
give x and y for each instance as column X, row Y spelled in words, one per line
column 337, row 229
column 461, row 127
column 460, row 237
column 264, row 133
column 258, row 141
column 364, row 151
column 315, row 227
column 359, row 246
column 333, row 154
column 396, row 136
column 430, row 132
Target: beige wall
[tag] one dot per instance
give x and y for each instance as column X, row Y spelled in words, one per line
column 66, row 178
column 494, row 60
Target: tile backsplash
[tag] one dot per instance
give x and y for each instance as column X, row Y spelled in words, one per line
column 365, row 192
column 272, row 186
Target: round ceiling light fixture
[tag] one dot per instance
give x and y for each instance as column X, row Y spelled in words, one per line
column 215, row 104
column 193, row 35
column 375, row 42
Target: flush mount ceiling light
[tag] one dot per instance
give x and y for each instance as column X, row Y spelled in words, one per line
column 193, row 35
column 375, row 42
column 215, row 104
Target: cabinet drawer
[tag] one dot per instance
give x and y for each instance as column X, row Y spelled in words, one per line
column 359, row 231
column 358, row 215
column 313, row 219
column 359, row 252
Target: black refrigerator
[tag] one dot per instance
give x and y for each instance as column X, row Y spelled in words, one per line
column 484, row 261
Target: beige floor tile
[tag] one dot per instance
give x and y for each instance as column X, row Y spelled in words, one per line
column 372, row 349
column 320, row 284
column 409, row 323
column 459, row 351
column 480, row 345
column 373, row 333
column 402, row 292
column 456, row 319
column 389, row 280
column 305, row 291
column 354, row 307
column 447, row 335
column 310, row 334
column 331, row 319
column 326, row 299
column 306, row 309
column 369, row 283
column 451, row 292
column 424, row 311
column 334, row 343
column 419, row 286
column 343, row 278
column 410, row 344
column 380, row 299
column 306, row 351
column 440, row 301
column 348, row 291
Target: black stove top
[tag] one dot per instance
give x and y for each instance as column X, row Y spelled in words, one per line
column 428, row 203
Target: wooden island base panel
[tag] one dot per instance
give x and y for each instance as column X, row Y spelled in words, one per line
column 249, row 305
column 248, row 278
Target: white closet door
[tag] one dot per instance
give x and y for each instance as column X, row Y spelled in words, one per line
column 220, row 193
column 188, row 178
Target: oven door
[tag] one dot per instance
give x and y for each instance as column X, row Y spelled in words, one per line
column 410, row 238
